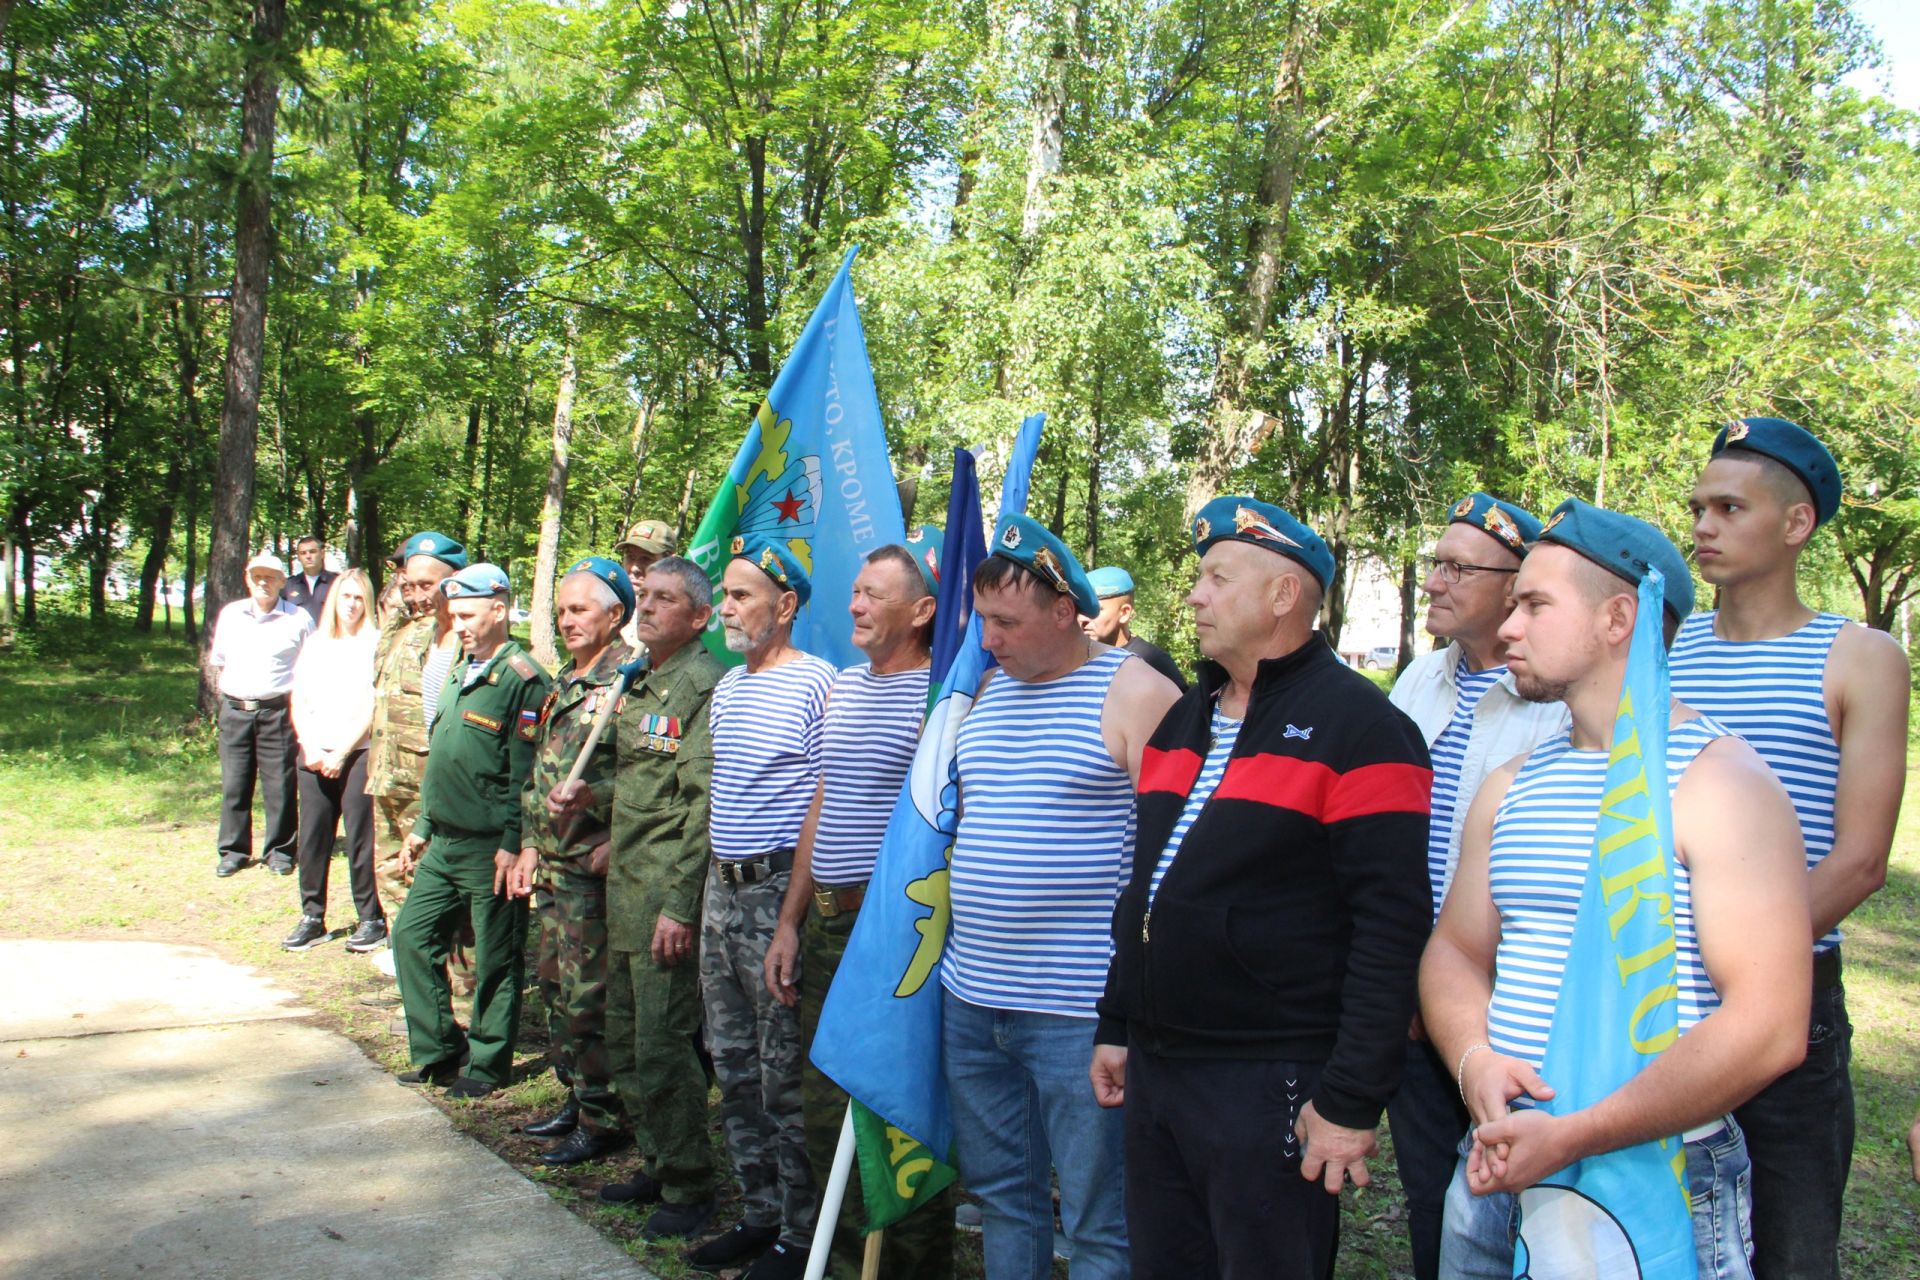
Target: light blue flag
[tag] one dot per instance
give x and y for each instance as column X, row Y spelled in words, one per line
column 879, row 1033
column 1626, row 1213
column 813, row 472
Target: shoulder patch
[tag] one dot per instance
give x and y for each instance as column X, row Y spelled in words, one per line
column 522, row 666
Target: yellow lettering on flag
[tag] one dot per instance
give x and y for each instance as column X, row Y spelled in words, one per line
column 1655, row 868
column 1650, row 1004
column 908, row 1169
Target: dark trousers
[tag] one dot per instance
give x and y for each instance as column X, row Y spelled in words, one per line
column 1800, row 1140
column 324, row 804
column 257, row 742
column 1428, row 1120
column 1213, row 1172
column 450, row 883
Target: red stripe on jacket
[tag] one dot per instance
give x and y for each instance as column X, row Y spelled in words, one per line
column 1174, row 771
column 1312, row 788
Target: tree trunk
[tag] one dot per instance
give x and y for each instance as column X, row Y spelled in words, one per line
column 1046, row 140
column 547, row 562
column 753, row 241
column 189, row 577
column 9, row 598
column 252, row 257
column 30, row 613
column 159, row 543
column 1407, row 581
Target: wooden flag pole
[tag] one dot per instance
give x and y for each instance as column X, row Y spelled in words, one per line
column 870, row 1262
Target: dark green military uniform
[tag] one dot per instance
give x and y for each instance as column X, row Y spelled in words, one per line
column 660, row 851
column 483, row 736
column 570, row 903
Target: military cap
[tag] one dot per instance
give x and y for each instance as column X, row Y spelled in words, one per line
column 437, row 545
column 1111, row 580
column 1624, row 546
column 1793, row 447
column 650, row 536
column 477, row 582
column 777, row 561
column 613, row 575
column 924, row 547
column 1233, row 519
column 1512, row 527
column 1029, row 543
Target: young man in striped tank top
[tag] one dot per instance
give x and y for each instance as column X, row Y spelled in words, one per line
column 1491, row 976
column 1824, row 702
column 1047, row 759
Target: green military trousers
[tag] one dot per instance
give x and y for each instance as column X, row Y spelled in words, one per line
column 451, row 881
column 653, row 1014
column 570, row 966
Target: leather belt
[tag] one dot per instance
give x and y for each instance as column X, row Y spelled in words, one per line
column 838, row 900
column 1826, row 968
column 738, row 871
column 256, row 704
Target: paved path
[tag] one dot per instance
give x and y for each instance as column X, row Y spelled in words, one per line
column 164, row 1114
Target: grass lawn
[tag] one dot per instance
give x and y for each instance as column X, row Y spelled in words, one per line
column 108, row 804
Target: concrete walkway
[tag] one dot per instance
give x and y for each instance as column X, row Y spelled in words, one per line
column 162, row 1114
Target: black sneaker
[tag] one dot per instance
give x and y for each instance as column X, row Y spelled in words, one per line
column 441, row 1072
column 782, row 1262
column 231, row 863
column 468, row 1087
column 369, row 936
column 734, row 1246
column 280, row 864
column 308, row 934
column 674, row 1219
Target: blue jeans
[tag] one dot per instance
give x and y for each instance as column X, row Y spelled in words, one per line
column 1023, row 1104
column 1481, row 1232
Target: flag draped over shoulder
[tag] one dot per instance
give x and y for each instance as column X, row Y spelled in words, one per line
column 813, row 472
column 879, row 1032
column 1626, row 1213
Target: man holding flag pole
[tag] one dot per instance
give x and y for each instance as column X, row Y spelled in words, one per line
column 1622, row 959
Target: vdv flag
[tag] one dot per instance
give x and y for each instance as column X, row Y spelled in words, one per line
column 814, row 473
column 879, row 1032
column 1626, row 1213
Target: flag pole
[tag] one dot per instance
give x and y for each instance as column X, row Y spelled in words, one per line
column 870, row 1263
column 830, row 1199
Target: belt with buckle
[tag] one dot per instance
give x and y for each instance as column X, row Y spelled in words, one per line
column 256, row 704
column 838, row 900
column 1826, row 968
column 753, row 870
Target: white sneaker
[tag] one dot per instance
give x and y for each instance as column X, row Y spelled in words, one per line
column 383, row 961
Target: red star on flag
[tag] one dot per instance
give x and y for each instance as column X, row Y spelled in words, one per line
column 788, row 507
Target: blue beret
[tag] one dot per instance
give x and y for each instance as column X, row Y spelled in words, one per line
column 1232, row 519
column 1111, row 580
column 777, row 561
column 1513, row 527
column 613, row 575
column 1030, row 543
column 924, row 546
column 1622, row 545
column 1793, row 447
column 476, row 581
column 437, row 545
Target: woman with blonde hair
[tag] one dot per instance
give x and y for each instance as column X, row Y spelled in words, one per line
column 332, row 713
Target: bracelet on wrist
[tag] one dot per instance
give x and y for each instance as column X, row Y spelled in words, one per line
column 1460, row 1071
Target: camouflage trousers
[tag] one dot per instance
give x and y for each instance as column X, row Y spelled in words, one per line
column 570, row 966
column 393, row 819
column 919, row 1245
column 653, row 1015
column 755, row 1041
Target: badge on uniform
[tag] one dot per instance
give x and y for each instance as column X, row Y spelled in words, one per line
column 530, row 723
column 663, row 733
column 485, row 722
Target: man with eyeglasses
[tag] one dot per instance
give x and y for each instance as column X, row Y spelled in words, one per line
column 1474, row 720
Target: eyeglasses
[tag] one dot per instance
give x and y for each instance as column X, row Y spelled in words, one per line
column 1452, row 571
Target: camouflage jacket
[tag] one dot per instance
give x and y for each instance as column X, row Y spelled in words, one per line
column 566, row 717
column 665, row 754
column 397, row 755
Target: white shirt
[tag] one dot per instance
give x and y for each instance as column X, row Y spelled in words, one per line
column 255, row 651
column 333, row 692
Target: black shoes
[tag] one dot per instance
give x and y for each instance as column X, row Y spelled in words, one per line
column 368, row 936
column 782, row 1262
column 468, row 1087
column 308, row 934
column 442, row 1072
column 734, row 1246
column 676, row 1219
column 557, row 1125
column 231, row 863
column 581, row 1146
column 280, row 864
column 642, row 1190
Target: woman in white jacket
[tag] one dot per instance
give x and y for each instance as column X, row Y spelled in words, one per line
column 332, row 712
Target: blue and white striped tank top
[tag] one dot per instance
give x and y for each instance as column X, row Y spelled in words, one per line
column 1772, row 693
column 1449, row 752
column 766, row 755
column 1537, row 870
column 1045, row 844
column 1226, row 732
column 868, row 736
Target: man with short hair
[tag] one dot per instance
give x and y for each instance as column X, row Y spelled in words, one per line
column 1113, row 587
column 646, row 542
column 255, row 641
column 464, row 844
column 1473, row 720
column 1824, row 702
column 867, row 740
column 1268, row 940
column 308, row 588
column 1046, row 759
column 1736, row 962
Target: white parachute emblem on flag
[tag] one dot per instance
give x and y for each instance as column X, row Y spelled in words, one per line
column 1567, row 1236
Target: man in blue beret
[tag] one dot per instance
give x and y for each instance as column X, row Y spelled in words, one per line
column 1824, row 702
column 1265, row 947
column 1113, row 586
column 1046, row 761
column 1491, row 977
column 1474, row 720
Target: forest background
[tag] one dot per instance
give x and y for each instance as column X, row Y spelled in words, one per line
column 521, row 270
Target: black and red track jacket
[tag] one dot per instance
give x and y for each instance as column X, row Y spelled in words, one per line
column 1291, row 922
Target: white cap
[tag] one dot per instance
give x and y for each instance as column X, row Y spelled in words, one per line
column 266, row 560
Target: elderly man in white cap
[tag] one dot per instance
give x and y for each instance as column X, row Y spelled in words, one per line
column 255, row 641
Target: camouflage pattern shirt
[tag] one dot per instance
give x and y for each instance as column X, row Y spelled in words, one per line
column 397, row 755
column 566, row 718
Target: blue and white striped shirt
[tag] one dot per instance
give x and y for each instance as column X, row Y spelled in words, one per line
column 1045, row 844
column 868, row 736
column 1537, row 871
column 1449, row 752
column 1226, row 732
column 1773, row 694
column 766, row 755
